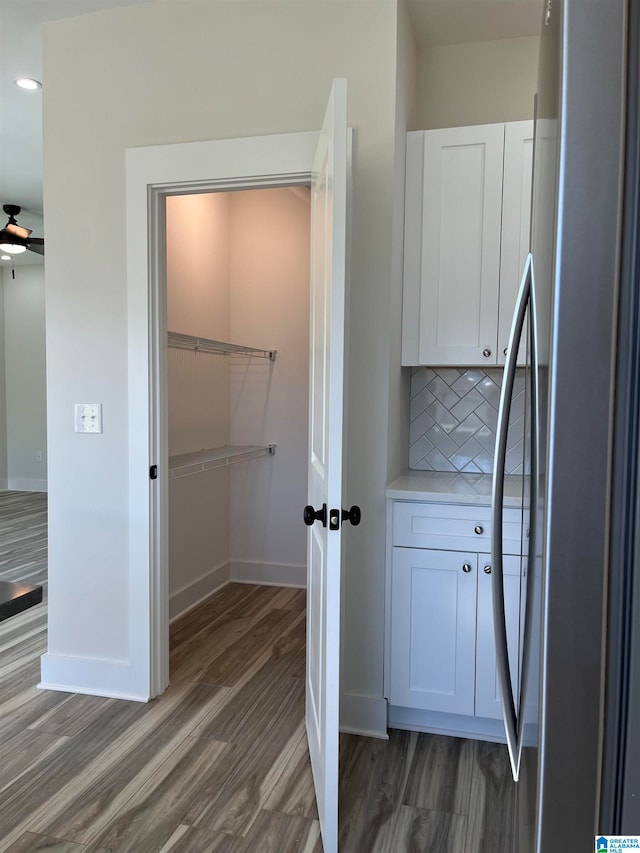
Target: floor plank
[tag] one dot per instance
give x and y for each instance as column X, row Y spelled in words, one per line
column 31, row 841
column 371, row 787
column 148, row 818
column 439, row 778
column 228, row 668
column 294, row 794
column 491, row 818
column 422, row 830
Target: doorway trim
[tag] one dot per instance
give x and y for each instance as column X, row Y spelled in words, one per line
column 152, row 174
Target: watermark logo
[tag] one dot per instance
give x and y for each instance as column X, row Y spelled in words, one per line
column 616, row 843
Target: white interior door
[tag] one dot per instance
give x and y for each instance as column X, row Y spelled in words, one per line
column 328, row 265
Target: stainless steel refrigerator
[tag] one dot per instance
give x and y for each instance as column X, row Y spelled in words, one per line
column 572, row 715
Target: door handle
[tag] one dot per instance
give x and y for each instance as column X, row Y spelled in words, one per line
column 533, row 509
column 497, row 499
column 336, row 517
column 310, row 515
column 353, row 515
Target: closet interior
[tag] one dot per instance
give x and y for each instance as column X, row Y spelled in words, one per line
column 237, row 387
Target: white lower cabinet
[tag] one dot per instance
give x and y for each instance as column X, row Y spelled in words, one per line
column 441, row 643
column 433, row 618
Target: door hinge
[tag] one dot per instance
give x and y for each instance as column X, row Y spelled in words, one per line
column 153, row 472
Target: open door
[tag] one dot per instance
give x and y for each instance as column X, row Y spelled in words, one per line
column 324, row 513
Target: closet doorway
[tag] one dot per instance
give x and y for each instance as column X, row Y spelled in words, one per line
column 237, row 271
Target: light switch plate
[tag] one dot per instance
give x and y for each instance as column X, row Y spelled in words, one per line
column 88, row 417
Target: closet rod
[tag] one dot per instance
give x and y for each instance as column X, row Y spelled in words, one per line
column 179, row 341
column 186, row 464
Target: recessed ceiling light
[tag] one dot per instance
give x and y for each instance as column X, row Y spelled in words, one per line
column 5, row 257
column 28, row 83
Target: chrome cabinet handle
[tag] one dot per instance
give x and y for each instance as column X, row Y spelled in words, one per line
column 497, row 498
column 479, row 529
column 487, row 570
column 505, row 350
column 466, row 568
column 486, row 352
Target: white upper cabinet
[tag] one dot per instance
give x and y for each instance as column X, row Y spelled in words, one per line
column 468, row 192
column 516, row 219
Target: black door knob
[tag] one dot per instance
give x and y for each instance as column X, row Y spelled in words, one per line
column 310, row 515
column 353, row 515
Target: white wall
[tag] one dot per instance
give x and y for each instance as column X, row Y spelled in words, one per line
column 406, row 72
column 198, row 392
column 25, row 381
column 169, row 72
column 269, row 401
column 476, row 83
column 3, row 395
column 238, row 271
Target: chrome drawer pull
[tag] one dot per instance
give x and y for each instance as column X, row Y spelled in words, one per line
column 478, row 529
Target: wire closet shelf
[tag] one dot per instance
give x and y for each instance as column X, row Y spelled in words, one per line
column 177, row 340
column 185, row 464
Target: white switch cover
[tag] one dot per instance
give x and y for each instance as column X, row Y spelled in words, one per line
column 88, row 417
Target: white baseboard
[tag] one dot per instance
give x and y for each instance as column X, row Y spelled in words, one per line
column 454, row 725
column 193, row 593
column 26, row 484
column 271, row 574
column 95, row 677
column 363, row 715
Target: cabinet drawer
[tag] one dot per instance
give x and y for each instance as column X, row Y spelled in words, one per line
column 452, row 527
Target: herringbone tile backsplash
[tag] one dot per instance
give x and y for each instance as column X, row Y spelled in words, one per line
column 453, row 417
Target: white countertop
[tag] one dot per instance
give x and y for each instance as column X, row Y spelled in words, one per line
column 446, row 487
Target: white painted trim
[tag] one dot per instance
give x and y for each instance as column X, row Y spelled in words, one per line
column 454, row 725
column 93, row 676
column 69, row 688
column 192, row 594
column 411, row 282
column 25, row 484
column 269, row 574
column 388, row 569
column 152, row 173
column 363, row 715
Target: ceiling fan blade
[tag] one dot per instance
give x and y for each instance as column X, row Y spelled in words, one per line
column 17, row 230
column 36, row 244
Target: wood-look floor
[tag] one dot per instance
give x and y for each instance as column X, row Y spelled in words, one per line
column 23, row 537
column 219, row 762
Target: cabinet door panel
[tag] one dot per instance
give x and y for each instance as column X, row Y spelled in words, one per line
column 462, row 199
column 433, row 621
column 516, row 217
column 488, row 702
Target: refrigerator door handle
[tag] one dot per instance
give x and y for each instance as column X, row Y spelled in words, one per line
column 497, row 497
column 528, row 633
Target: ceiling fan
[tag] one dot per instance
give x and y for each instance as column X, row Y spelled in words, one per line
column 14, row 238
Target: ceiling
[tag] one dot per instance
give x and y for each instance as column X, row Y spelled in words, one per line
column 21, row 21
column 458, row 21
